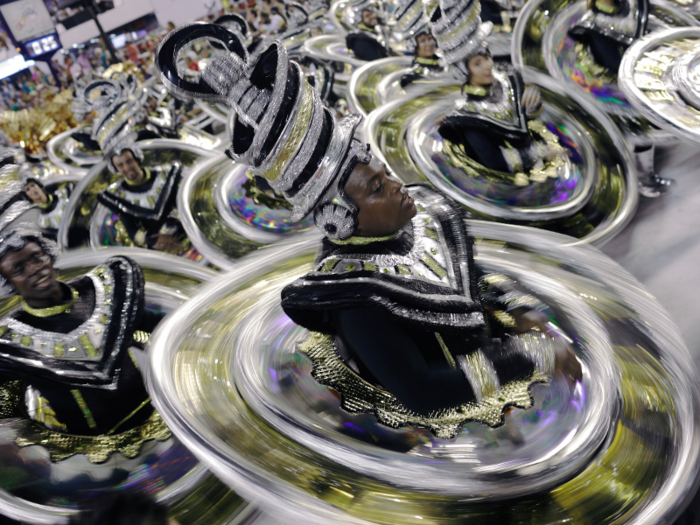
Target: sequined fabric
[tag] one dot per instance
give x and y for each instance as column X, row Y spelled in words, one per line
column 360, row 396
column 96, row 448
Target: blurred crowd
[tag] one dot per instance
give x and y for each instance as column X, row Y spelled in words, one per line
column 34, row 87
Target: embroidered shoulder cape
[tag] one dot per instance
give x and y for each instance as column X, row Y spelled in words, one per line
column 150, row 202
column 86, row 346
column 425, row 276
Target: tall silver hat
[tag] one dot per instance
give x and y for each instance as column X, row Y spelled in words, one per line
column 410, row 19
column 282, row 130
column 457, row 28
column 119, row 107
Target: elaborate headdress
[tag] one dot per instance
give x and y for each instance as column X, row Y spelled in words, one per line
column 236, row 23
column 458, row 30
column 410, row 19
column 298, row 26
column 8, row 161
column 119, row 107
column 19, row 225
column 282, row 130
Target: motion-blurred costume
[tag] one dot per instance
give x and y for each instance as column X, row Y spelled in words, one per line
column 404, row 312
column 608, row 28
column 66, row 365
column 52, row 201
column 367, row 42
column 491, row 131
column 144, row 199
column 412, row 26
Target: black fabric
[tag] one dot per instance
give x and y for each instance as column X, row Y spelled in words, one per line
column 409, row 364
column 606, row 51
column 417, row 72
column 606, row 45
column 87, row 141
column 365, row 47
column 136, row 217
column 109, row 405
column 127, row 299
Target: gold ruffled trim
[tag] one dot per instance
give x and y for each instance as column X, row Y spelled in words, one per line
column 97, row 448
column 360, row 241
column 360, row 396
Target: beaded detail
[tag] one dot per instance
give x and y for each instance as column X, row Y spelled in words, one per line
column 52, row 310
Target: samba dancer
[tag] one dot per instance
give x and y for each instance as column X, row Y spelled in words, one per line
column 395, row 284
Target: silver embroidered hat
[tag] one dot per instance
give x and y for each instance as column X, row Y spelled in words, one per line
column 282, row 130
column 410, row 19
column 457, row 28
column 119, row 106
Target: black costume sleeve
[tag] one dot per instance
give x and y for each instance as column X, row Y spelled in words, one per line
column 486, row 151
column 476, row 143
column 396, row 362
column 365, row 47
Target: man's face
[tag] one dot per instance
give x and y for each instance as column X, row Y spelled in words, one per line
column 385, row 205
column 128, row 166
column 426, row 46
column 481, row 70
column 35, row 193
column 369, row 17
column 31, row 272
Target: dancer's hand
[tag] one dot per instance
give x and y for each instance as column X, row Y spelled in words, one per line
column 531, row 101
column 167, row 244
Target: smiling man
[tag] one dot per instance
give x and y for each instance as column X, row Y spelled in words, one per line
column 67, row 343
column 144, row 199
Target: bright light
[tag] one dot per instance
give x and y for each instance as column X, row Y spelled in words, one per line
column 14, row 65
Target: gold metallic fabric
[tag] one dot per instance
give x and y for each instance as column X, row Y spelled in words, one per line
column 96, row 448
column 360, row 396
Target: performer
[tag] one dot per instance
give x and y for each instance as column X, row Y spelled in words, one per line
column 604, row 32
column 52, row 201
column 496, row 122
column 608, row 28
column 368, row 42
column 395, row 282
column 145, row 199
column 65, row 349
column 412, row 25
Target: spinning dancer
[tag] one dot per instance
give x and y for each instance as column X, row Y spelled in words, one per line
column 412, row 25
column 494, row 130
column 144, row 199
column 368, row 42
column 604, row 32
column 64, row 352
column 394, row 290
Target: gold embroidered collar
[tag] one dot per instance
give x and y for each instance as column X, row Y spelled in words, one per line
column 606, row 8
column 52, row 310
column 47, row 203
column 365, row 27
column 358, row 241
column 479, row 91
column 428, row 61
column 146, row 178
